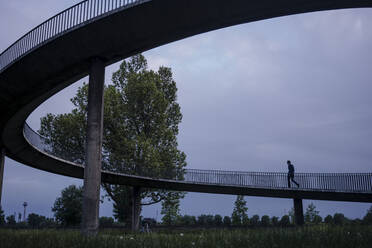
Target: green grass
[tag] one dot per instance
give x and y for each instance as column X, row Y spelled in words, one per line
column 314, row 236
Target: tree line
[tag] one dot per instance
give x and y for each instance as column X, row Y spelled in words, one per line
column 68, row 210
column 240, row 218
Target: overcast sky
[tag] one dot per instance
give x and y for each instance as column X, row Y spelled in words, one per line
column 252, row 96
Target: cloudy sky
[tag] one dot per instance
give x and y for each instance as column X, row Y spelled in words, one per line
column 252, row 97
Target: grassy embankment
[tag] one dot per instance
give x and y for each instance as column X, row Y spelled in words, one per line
column 314, row 236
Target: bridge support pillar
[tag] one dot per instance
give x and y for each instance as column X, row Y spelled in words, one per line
column 2, row 164
column 92, row 171
column 136, row 207
column 298, row 212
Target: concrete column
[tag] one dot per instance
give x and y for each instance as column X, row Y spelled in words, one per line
column 2, row 163
column 93, row 161
column 298, row 212
column 136, row 206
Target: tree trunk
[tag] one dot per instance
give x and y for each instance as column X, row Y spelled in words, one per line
column 136, row 208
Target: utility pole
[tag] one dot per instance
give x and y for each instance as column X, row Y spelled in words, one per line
column 24, row 211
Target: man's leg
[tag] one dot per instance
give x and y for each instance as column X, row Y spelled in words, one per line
column 292, row 178
column 289, row 182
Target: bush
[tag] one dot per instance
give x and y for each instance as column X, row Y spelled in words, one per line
column 36, row 221
column 285, row 221
column 227, row 221
column 275, row 221
column 10, row 221
column 186, row 220
column 255, row 220
column 328, row 219
column 202, row 220
column 265, row 221
column 245, row 220
column 209, row 219
column 317, row 219
column 218, row 220
column 339, row 219
column 106, row 222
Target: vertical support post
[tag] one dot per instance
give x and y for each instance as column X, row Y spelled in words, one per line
column 2, row 163
column 136, row 205
column 298, row 212
column 92, row 171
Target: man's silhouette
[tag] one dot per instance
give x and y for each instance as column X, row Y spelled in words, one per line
column 291, row 174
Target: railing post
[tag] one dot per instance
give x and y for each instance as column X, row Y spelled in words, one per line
column 298, row 212
column 92, row 171
column 2, row 163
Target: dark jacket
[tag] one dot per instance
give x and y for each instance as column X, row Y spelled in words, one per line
column 291, row 169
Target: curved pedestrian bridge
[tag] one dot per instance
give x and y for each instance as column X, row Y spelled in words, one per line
column 60, row 51
column 324, row 186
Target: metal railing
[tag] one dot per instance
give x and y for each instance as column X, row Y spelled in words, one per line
column 69, row 19
column 341, row 182
column 344, row 182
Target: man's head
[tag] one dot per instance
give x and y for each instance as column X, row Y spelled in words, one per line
column 288, row 162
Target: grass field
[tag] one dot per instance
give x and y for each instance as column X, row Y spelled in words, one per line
column 313, row 236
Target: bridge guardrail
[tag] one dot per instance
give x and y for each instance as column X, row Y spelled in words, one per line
column 61, row 23
column 341, row 182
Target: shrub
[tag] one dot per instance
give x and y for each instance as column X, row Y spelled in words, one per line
column 284, row 221
column 227, row 221
column 265, row 221
column 36, row 221
column 275, row 221
column 317, row 219
column 218, row 220
column 255, row 220
column 328, row 219
column 339, row 219
column 106, row 222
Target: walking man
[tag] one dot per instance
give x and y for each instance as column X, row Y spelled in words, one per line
column 291, row 174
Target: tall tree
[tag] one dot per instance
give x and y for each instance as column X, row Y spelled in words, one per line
column 68, row 207
column 311, row 214
column 240, row 211
column 170, row 208
column 141, row 118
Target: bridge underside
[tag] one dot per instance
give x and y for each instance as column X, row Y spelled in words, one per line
column 236, row 190
column 61, row 61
